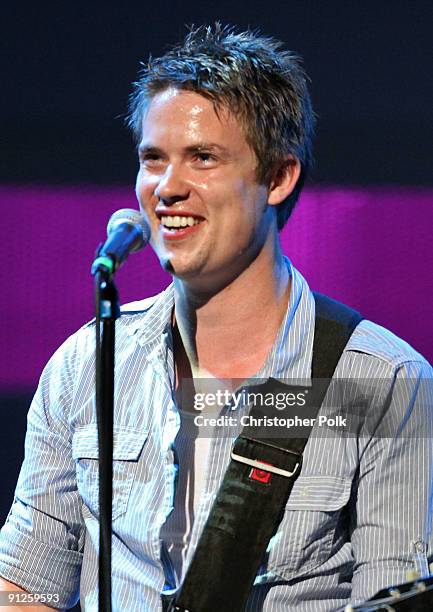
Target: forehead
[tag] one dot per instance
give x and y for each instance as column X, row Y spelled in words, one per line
column 186, row 115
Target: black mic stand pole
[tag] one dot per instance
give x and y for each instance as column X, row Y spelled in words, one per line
column 107, row 311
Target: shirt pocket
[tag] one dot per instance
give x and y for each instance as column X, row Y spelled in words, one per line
column 306, row 534
column 127, row 446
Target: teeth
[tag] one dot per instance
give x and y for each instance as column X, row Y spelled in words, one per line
column 176, row 221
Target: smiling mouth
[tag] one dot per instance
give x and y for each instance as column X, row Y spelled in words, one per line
column 174, row 223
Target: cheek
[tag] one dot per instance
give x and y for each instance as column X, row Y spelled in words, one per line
column 144, row 191
column 245, row 203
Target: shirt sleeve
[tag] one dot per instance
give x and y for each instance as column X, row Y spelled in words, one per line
column 42, row 540
column 392, row 508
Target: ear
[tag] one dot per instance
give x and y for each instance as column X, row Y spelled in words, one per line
column 284, row 180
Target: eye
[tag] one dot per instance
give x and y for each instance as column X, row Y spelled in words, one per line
column 205, row 158
column 149, row 157
column 150, row 160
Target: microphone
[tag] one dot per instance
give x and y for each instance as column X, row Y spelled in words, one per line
column 127, row 232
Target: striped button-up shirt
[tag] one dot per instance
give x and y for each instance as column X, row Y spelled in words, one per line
column 358, row 518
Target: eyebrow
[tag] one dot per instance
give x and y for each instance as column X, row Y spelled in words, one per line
column 200, row 146
column 207, row 146
column 147, row 148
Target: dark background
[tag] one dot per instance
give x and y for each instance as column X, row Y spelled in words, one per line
column 67, row 69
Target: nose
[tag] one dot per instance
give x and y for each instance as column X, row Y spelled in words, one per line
column 172, row 187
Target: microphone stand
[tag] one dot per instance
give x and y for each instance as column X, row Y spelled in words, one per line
column 127, row 232
column 107, row 311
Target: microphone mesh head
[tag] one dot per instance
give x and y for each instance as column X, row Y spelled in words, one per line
column 131, row 216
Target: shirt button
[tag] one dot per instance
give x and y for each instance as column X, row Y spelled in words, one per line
column 420, row 546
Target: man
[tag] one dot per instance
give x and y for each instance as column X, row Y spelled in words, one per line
column 224, row 126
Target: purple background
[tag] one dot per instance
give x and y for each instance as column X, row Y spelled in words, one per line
column 369, row 247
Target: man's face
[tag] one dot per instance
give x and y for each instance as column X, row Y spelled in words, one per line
column 197, row 187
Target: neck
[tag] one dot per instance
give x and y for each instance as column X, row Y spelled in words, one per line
column 229, row 333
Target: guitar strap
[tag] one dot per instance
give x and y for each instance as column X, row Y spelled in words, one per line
column 257, row 484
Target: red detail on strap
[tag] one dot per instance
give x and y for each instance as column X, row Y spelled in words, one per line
column 260, row 475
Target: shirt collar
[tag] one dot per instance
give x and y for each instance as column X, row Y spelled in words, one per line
column 290, row 358
column 151, row 317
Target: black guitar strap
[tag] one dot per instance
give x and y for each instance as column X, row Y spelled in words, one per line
column 257, row 484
